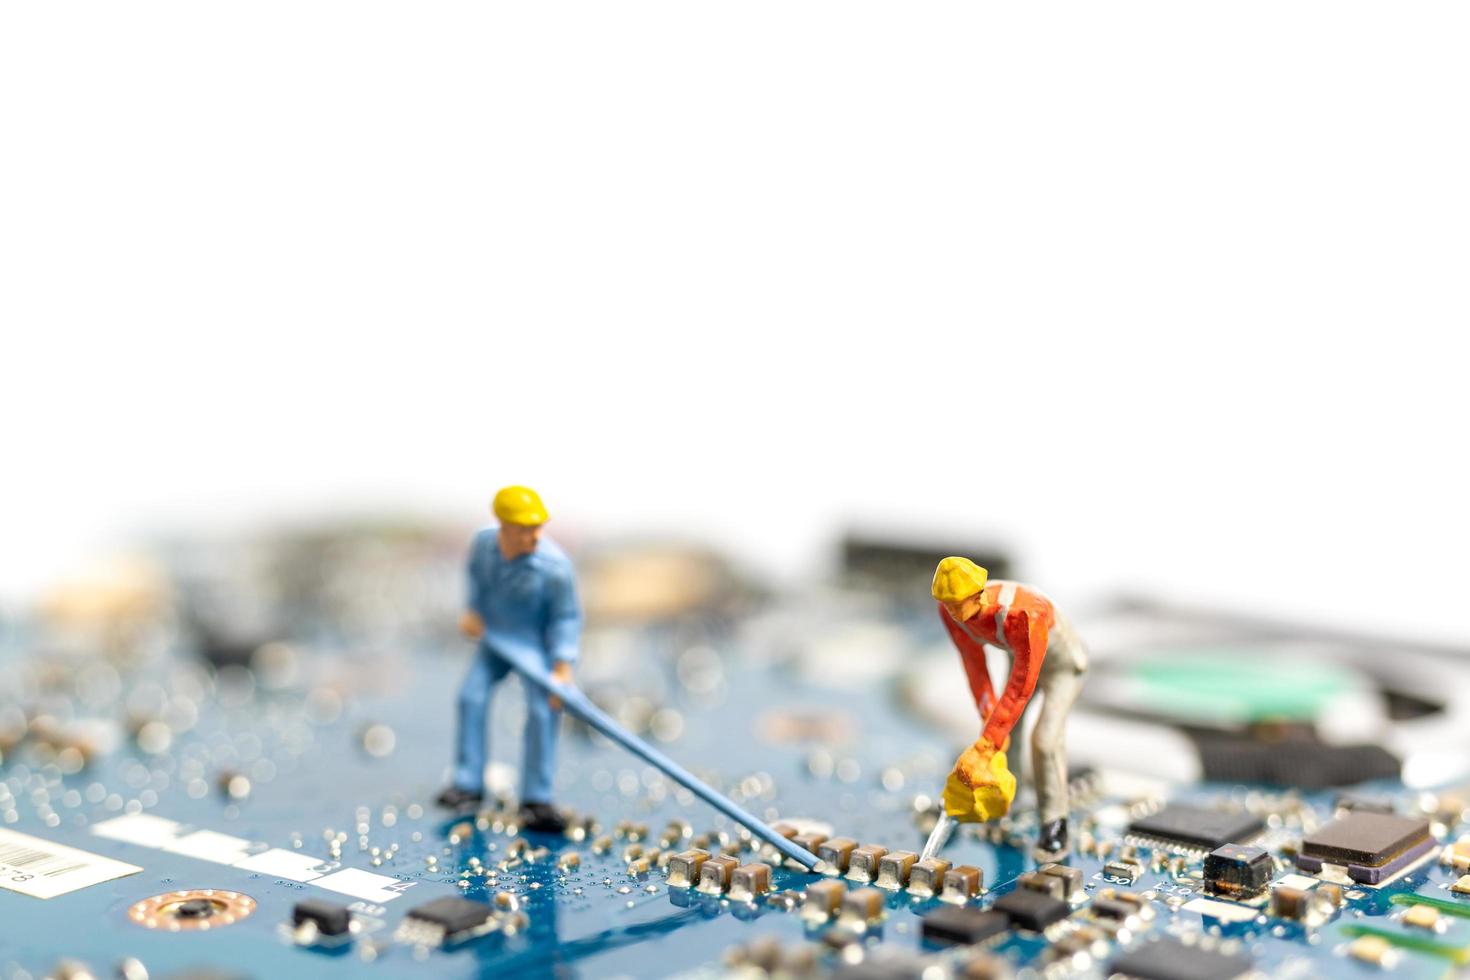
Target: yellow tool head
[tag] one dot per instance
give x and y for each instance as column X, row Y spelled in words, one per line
column 989, row 799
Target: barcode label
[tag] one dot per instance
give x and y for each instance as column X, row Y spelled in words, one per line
column 42, row 869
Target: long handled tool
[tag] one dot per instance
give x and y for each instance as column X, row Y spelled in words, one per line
column 530, row 664
column 939, row 836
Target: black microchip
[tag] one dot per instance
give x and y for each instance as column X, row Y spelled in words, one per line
column 1032, row 910
column 1169, row 959
column 1237, row 869
column 1196, row 827
column 947, row 926
column 454, row 915
column 1111, row 908
column 1362, row 837
column 330, row 919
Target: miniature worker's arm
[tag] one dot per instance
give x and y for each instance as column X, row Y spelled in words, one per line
column 563, row 629
column 972, row 656
column 470, row 623
column 1026, row 636
column 981, row 787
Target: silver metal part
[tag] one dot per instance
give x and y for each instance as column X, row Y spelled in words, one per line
column 938, row 837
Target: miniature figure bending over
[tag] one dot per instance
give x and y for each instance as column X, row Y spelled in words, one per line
column 521, row 589
column 1045, row 652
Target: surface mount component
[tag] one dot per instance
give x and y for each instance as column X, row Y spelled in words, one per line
column 1044, row 883
column 749, row 882
column 947, row 926
column 1071, row 878
column 1197, row 828
column 1032, row 910
column 327, row 918
column 894, row 869
column 926, row 878
column 862, row 907
column 1312, row 906
column 962, row 883
column 1170, row 959
column 715, row 874
column 1374, row 950
column 1237, row 871
column 823, row 900
column 1373, row 847
column 1126, row 870
column 1112, row 909
column 863, row 862
column 835, row 854
column 446, row 920
column 684, row 868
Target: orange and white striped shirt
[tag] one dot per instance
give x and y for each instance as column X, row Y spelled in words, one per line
column 1016, row 619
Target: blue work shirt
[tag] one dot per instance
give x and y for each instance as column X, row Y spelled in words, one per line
column 531, row 598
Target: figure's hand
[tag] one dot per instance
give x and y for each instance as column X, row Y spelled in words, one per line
column 470, row 624
column 562, row 674
column 981, row 787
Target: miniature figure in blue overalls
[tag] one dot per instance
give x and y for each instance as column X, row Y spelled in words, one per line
column 521, row 590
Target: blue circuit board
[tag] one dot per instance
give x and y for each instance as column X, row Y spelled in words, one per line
column 349, row 787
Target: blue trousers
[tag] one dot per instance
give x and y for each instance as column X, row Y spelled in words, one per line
column 538, row 761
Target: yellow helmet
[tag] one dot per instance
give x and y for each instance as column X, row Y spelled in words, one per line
column 956, row 579
column 519, row 505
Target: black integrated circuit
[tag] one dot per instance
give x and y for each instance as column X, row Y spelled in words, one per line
column 458, row 917
column 1374, row 847
column 1364, row 837
column 950, row 925
column 1237, row 870
column 1197, row 828
column 1112, row 908
column 1027, row 909
column 329, row 918
column 1169, row 959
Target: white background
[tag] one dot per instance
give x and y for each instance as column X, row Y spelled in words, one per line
column 1168, row 296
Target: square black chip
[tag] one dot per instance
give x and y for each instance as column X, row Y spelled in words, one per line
column 1032, row 910
column 1364, row 837
column 949, row 926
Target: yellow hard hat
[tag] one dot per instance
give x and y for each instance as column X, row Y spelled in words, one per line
column 519, row 505
column 956, row 579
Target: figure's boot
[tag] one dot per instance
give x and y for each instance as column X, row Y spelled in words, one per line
column 543, row 818
column 1051, row 843
column 454, row 798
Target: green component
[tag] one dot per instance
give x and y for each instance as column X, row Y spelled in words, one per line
column 1238, row 685
column 1443, row 904
column 1458, row 955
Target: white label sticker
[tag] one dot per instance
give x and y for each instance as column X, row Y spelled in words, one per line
column 42, row 869
column 364, row 885
column 147, row 830
column 1298, row 881
column 143, row 829
column 210, row 845
column 288, row 864
column 1221, row 910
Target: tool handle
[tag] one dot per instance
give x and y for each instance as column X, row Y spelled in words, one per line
column 939, row 836
column 528, row 663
